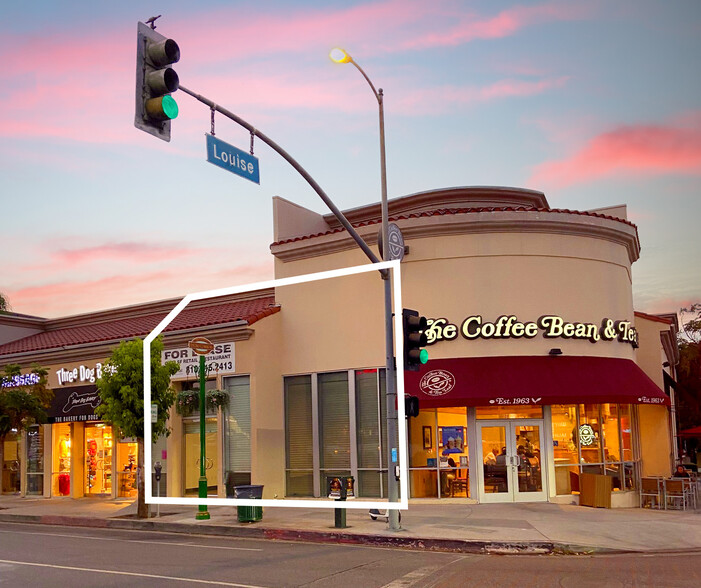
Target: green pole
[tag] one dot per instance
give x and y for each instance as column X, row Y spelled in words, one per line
column 202, row 513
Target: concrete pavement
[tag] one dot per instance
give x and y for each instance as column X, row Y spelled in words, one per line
column 450, row 525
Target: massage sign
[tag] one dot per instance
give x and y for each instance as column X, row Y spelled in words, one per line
column 548, row 326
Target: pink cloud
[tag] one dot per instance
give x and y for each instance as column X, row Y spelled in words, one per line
column 87, row 82
column 61, row 298
column 666, row 304
column 441, row 99
column 132, row 252
column 643, row 149
column 504, row 24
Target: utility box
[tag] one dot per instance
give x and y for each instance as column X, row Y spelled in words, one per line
column 595, row 490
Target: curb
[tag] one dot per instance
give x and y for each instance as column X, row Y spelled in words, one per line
column 474, row 547
column 416, row 543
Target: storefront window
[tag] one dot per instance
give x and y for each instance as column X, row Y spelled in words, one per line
column 423, row 452
column 61, row 466
column 626, row 432
column 334, row 426
column 35, row 460
column 438, row 457
column 237, row 418
column 589, row 433
column 323, row 442
column 127, row 459
column 10, row 467
column 299, row 442
column 565, row 450
column 370, row 410
column 612, row 434
column 509, row 412
column 592, row 439
column 98, row 459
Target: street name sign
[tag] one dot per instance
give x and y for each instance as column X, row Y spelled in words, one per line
column 232, row 159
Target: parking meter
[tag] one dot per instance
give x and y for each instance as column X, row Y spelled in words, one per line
column 157, row 468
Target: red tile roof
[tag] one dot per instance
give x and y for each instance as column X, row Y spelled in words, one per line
column 140, row 326
column 652, row 317
column 450, row 211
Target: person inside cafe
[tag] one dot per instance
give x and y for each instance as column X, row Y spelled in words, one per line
column 680, row 472
column 491, row 458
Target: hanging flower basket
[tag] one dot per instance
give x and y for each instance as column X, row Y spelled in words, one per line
column 188, row 401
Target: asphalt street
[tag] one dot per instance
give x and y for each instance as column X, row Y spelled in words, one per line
column 42, row 555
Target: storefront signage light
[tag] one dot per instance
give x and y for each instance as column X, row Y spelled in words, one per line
column 79, row 374
column 21, row 380
column 550, row 326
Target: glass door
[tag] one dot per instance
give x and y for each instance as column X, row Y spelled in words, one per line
column 510, row 453
column 98, row 459
column 192, row 457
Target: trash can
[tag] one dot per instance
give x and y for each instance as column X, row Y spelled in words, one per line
column 249, row 514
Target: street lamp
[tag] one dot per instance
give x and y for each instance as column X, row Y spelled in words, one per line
column 341, row 56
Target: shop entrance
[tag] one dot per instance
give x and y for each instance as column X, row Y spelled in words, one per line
column 192, row 456
column 511, row 454
column 98, row 459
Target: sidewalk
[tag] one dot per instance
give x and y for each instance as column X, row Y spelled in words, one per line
column 428, row 524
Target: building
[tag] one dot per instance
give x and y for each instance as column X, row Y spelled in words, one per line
column 540, row 369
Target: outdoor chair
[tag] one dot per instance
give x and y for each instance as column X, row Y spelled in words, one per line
column 652, row 491
column 690, row 490
column 676, row 492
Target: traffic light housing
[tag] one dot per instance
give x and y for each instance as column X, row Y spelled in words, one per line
column 411, row 406
column 155, row 81
column 414, row 340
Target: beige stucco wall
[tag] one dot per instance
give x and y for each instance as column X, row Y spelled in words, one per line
column 650, row 355
column 655, row 446
column 455, row 276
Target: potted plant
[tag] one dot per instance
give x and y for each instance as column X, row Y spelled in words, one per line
column 188, row 401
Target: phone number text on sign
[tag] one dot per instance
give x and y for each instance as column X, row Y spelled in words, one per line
column 221, row 360
column 209, row 368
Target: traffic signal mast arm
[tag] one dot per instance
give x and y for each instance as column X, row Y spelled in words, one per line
column 287, row 157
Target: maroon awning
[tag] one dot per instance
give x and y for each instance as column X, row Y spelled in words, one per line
column 693, row 432
column 541, row 380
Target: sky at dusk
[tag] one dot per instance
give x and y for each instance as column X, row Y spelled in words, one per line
column 595, row 103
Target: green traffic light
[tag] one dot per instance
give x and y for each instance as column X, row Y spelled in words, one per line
column 423, row 356
column 162, row 108
column 170, row 106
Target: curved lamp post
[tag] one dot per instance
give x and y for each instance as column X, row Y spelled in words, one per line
column 341, row 56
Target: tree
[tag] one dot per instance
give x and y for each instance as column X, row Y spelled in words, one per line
column 22, row 405
column 689, row 370
column 4, row 303
column 121, row 389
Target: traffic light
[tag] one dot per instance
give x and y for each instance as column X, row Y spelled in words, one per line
column 411, row 406
column 155, row 80
column 414, row 340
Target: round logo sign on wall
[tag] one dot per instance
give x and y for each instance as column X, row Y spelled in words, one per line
column 586, row 435
column 396, row 242
column 437, row 383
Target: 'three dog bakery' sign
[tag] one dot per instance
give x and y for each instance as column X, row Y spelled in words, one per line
column 549, row 326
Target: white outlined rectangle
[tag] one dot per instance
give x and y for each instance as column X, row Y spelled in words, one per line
column 394, row 269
